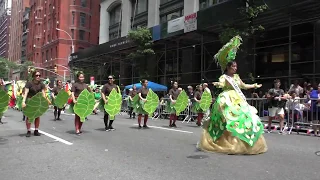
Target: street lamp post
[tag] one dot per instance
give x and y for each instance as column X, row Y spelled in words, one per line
column 72, row 45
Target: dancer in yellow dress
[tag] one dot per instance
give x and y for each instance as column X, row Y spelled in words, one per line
column 234, row 126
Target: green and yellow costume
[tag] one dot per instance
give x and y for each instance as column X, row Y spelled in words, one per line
column 234, row 126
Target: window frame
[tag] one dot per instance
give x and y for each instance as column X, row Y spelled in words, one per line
column 82, row 19
column 82, row 35
column 83, row 3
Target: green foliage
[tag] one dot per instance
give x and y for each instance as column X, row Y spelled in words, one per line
column 143, row 39
column 205, row 101
column 4, row 100
column 113, row 107
column 36, row 107
column 181, row 102
column 250, row 11
column 152, row 102
column 61, row 99
column 6, row 66
column 85, row 104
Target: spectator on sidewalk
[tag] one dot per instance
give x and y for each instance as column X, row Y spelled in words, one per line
column 295, row 87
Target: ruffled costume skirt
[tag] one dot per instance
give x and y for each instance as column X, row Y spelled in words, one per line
column 234, row 127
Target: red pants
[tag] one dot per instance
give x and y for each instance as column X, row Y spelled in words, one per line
column 36, row 123
column 77, row 123
column 199, row 118
column 173, row 118
column 145, row 119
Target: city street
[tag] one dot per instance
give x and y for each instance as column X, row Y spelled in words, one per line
column 157, row 153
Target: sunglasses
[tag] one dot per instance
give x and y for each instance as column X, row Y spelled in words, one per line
column 37, row 75
column 110, row 78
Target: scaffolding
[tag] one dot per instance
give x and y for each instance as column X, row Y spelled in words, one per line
column 287, row 50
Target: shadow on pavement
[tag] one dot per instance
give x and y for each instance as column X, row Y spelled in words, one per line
column 193, row 126
column 74, row 132
column 197, row 157
column 100, row 129
column 3, row 141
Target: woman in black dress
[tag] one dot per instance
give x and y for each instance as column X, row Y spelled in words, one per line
column 54, row 93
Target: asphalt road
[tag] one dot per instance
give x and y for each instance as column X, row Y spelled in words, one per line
column 128, row 153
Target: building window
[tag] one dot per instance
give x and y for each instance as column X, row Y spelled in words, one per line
column 72, row 33
column 74, row 2
column 115, row 15
column 114, row 35
column 81, row 34
column 83, row 19
column 49, row 24
column 139, row 6
column 164, row 1
column 47, row 55
column 73, row 17
column 171, row 16
column 84, row 3
column 207, row 3
column 139, row 25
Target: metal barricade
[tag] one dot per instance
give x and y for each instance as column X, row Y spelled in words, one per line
column 124, row 106
column 299, row 116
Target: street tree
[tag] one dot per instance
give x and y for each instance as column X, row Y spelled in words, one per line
column 142, row 38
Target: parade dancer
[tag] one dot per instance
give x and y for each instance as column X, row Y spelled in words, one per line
column 31, row 89
column 197, row 98
column 234, row 126
column 22, row 94
column 142, row 92
column 76, row 89
column 106, row 90
column 132, row 94
column 173, row 95
column 54, row 93
column 97, row 97
column 2, row 86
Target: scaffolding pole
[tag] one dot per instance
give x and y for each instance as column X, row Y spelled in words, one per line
column 165, row 63
column 178, row 60
column 314, row 53
column 290, row 48
column 201, row 76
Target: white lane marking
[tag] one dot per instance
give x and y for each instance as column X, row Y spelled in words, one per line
column 55, row 137
column 177, row 130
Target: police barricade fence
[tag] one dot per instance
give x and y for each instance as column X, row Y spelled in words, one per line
column 301, row 114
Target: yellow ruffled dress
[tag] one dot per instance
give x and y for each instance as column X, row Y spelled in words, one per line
column 234, row 126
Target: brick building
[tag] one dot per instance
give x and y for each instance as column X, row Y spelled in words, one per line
column 5, row 12
column 52, row 24
column 16, row 31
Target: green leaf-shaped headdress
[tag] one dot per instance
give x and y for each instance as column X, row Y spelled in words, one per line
column 228, row 52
